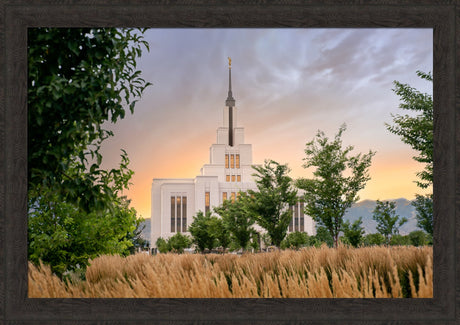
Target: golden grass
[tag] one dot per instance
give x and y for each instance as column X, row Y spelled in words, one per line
column 368, row 272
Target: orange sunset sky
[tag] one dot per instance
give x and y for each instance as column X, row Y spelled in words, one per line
column 288, row 84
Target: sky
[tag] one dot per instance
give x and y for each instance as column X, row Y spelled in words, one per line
column 288, row 84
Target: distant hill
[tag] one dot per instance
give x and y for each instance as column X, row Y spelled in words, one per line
column 146, row 232
column 364, row 209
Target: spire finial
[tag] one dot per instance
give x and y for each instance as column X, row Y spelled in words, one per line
column 230, row 102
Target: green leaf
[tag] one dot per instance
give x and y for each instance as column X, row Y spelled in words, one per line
column 75, row 209
column 330, row 193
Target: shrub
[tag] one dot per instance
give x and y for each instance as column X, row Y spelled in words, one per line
column 295, row 240
column 179, row 242
column 323, row 236
column 419, row 238
column 162, row 245
column 400, row 240
column 200, row 229
column 373, row 239
column 353, row 233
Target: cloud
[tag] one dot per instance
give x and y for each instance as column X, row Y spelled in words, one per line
column 288, row 83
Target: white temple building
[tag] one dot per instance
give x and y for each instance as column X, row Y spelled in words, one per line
column 175, row 201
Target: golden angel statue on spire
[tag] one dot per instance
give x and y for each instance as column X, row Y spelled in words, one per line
column 229, row 62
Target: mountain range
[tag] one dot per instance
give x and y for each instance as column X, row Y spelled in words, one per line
column 146, row 231
column 360, row 209
column 364, row 209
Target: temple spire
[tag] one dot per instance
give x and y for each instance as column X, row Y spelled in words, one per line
column 230, row 102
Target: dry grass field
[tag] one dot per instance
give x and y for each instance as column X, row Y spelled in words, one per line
column 368, row 272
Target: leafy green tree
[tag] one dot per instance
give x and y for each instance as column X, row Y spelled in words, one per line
column 419, row 238
column 330, row 193
column 237, row 220
column 202, row 236
column 65, row 236
column 295, row 240
column 417, row 131
column 388, row 222
column 270, row 204
column 354, row 232
column 162, row 245
column 78, row 80
column 400, row 240
column 344, row 240
column 219, row 230
column 178, row 243
column 424, row 212
column 266, row 240
column 254, row 242
column 323, row 236
column 373, row 239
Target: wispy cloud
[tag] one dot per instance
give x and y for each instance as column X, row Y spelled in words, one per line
column 288, row 83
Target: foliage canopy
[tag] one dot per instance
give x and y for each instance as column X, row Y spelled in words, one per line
column 388, row 222
column 204, row 231
column 416, row 131
column 270, row 204
column 295, row 240
column 424, row 208
column 179, row 242
column 79, row 78
column 354, row 232
column 330, row 193
column 237, row 220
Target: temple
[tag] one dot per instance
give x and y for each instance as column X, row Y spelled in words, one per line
column 175, row 201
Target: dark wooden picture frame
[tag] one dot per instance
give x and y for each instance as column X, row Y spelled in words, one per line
column 16, row 16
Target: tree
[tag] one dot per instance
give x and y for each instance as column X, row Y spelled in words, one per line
column 270, row 204
column 399, row 240
column 387, row 220
column 419, row 238
column 330, row 193
column 78, row 80
column 254, row 242
column 295, row 240
column 202, row 237
column 424, row 212
column 65, row 236
column 373, row 239
column 162, row 245
column 417, row 131
column 219, row 230
column 178, row 243
column 237, row 219
column 266, row 240
column 354, row 232
column 323, row 236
